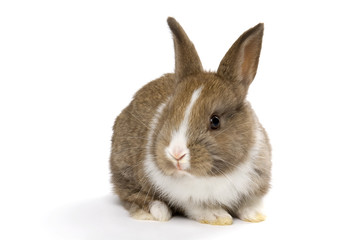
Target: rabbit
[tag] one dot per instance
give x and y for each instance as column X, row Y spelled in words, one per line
column 189, row 142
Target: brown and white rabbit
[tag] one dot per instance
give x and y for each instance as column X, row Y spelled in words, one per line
column 189, row 142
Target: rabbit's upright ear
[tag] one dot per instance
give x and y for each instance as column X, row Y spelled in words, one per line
column 187, row 61
column 240, row 63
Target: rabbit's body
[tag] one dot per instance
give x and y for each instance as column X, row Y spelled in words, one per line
column 190, row 142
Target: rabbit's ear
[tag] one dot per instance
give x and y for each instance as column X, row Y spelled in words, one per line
column 240, row 63
column 187, row 61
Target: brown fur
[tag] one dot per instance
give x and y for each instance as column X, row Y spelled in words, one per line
column 213, row 152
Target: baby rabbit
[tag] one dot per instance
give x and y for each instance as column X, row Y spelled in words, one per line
column 190, row 143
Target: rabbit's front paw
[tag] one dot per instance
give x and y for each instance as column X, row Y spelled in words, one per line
column 160, row 211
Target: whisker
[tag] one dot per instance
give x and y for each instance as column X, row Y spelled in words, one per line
column 227, row 162
column 227, row 177
column 131, row 167
column 125, row 137
column 155, row 133
column 130, row 148
column 229, row 127
column 139, row 120
column 129, row 155
column 153, row 195
column 144, row 202
column 238, row 167
column 138, row 193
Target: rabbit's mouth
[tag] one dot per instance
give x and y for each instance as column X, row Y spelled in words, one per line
column 177, row 168
column 180, row 168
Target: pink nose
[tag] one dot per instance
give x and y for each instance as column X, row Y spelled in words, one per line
column 178, row 156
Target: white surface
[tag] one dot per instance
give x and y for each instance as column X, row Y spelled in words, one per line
column 67, row 69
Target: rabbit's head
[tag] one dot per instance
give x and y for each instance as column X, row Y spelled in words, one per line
column 207, row 128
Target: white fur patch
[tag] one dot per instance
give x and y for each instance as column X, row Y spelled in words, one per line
column 187, row 188
column 219, row 189
column 178, row 143
column 153, row 127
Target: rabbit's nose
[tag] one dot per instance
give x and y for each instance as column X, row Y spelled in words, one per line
column 178, row 156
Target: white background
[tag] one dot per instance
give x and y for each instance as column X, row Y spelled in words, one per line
column 67, row 69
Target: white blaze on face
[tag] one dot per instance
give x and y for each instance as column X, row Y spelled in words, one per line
column 177, row 150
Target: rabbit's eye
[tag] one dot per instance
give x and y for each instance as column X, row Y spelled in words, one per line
column 215, row 123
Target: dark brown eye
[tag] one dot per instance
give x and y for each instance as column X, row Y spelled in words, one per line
column 215, row 123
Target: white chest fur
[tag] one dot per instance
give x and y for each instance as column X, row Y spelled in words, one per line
column 190, row 189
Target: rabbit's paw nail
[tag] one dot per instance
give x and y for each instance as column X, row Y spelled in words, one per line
column 259, row 217
column 160, row 211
